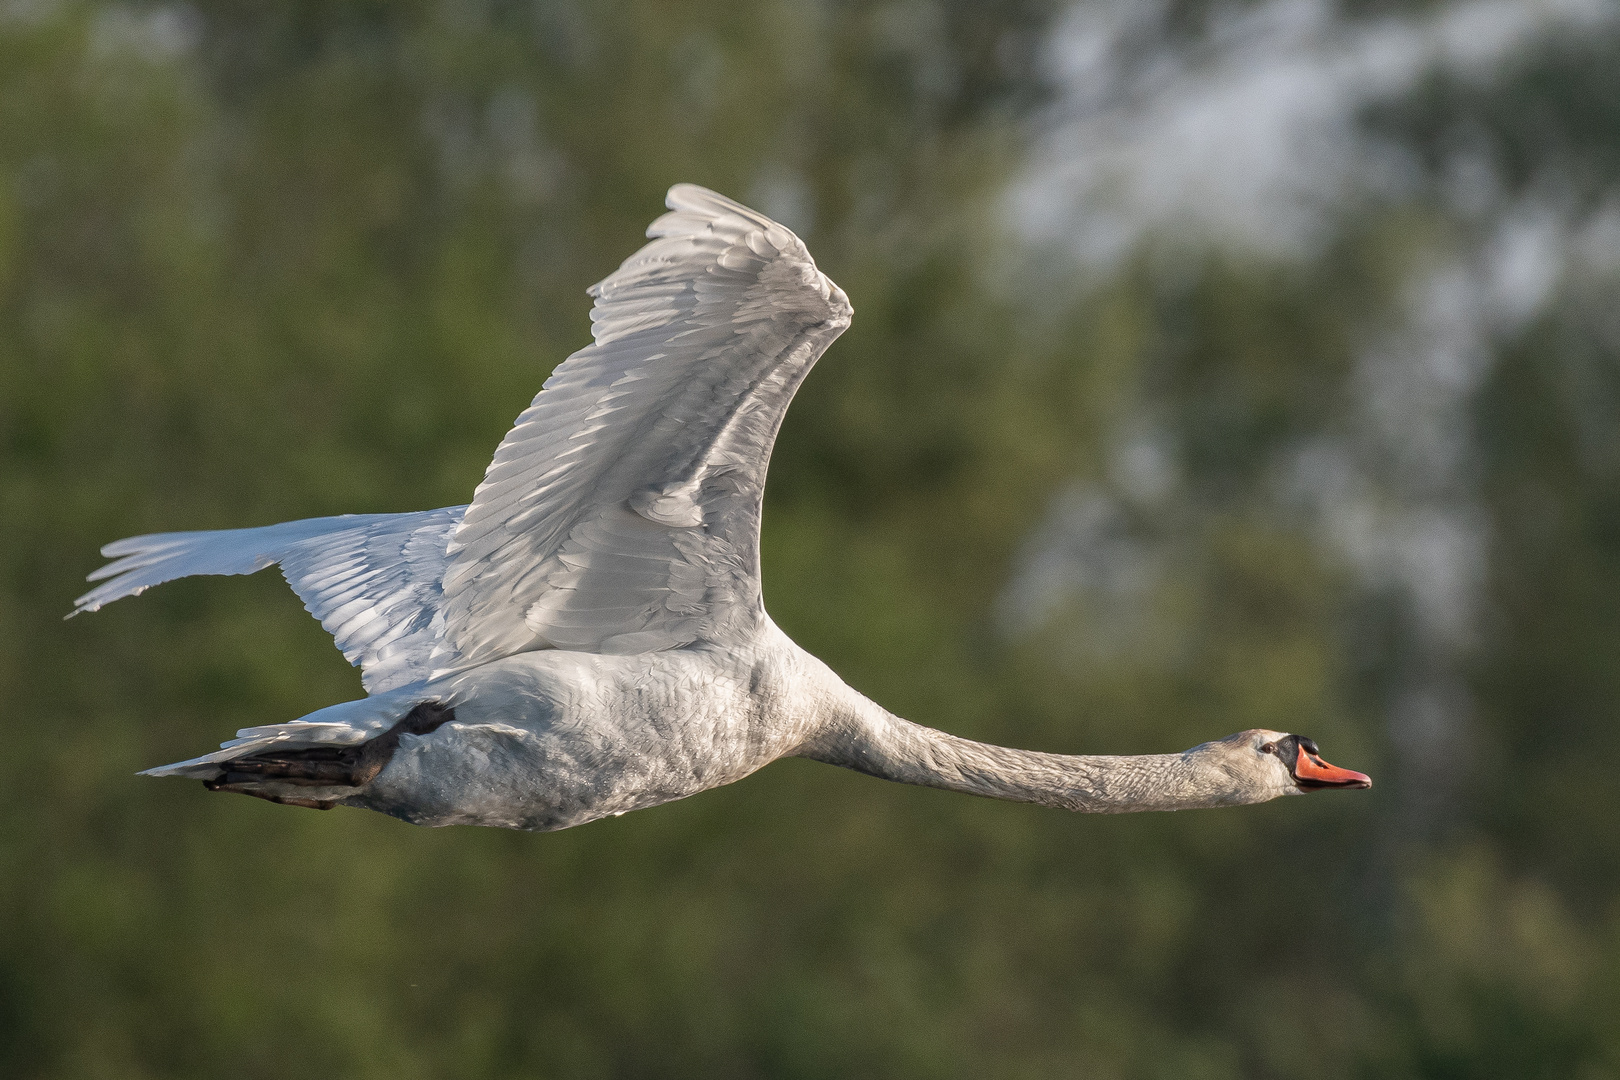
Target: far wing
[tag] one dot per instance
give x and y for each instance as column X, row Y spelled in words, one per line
column 621, row 513
column 373, row 580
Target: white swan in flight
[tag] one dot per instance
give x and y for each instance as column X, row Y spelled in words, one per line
column 587, row 637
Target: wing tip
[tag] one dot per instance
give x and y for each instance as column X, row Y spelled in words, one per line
column 686, row 198
column 104, row 594
column 696, row 197
column 80, row 607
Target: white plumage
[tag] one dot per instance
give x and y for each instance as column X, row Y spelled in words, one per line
column 373, row 580
column 587, row 636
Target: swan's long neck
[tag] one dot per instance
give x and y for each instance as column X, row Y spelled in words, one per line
column 859, row 734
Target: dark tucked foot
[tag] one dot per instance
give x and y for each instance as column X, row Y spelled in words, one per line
column 325, row 766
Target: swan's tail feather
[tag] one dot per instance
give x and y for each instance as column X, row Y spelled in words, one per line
column 320, row 775
column 253, row 741
column 312, row 762
column 347, row 723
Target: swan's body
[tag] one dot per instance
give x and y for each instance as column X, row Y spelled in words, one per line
column 587, row 637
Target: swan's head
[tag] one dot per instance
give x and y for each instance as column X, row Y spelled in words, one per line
column 1267, row 764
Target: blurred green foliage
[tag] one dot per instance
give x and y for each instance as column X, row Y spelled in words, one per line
column 261, row 261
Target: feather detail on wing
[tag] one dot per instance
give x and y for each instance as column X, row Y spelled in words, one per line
column 373, row 580
column 621, row 513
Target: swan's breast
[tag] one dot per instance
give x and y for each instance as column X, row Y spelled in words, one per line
column 549, row 739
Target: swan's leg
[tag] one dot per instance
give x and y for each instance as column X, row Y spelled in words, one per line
column 269, row 774
column 223, row 784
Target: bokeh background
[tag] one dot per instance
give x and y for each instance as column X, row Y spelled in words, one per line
column 1216, row 364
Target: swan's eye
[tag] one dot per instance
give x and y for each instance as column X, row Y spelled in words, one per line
column 1269, row 748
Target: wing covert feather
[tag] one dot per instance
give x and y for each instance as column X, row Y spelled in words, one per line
column 621, row 512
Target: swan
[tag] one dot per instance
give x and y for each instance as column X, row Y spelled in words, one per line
column 587, row 636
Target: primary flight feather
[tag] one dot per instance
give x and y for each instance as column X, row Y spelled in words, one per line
column 587, row 636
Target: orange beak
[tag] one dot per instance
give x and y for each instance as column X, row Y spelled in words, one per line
column 1312, row 772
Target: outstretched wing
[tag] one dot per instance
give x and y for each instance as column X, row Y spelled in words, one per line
column 373, row 580
column 621, row 513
